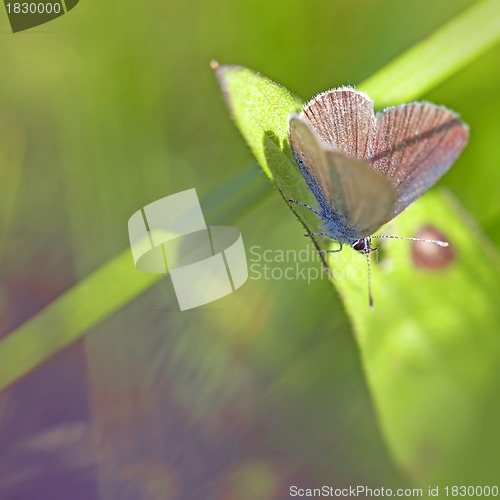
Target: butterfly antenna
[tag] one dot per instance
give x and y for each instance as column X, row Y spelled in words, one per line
column 434, row 242
column 370, row 296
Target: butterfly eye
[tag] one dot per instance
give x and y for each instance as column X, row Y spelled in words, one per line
column 359, row 245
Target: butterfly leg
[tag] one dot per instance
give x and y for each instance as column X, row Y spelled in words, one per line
column 317, row 234
column 335, row 251
column 307, row 206
column 328, row 236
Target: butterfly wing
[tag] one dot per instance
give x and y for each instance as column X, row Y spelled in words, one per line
column 358, row 196
column 311, row 159
column 413, row 146
column 367, row 197
column 343, row 119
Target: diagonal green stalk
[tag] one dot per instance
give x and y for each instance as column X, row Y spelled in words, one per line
column 431, row 61
column 68, row 317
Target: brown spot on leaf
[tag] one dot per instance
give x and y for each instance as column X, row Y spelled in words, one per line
column 430, row 256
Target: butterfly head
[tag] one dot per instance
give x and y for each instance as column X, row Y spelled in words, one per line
column 363, row 245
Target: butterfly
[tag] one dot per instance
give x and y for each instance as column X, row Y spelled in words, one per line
column 365, row 168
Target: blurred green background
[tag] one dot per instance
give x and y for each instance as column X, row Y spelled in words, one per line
column 113, row 106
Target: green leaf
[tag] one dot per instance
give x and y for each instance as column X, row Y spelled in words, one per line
column 261, row 112
column 261, row 109
column 430, row 348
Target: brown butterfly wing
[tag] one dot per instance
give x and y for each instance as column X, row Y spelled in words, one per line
column 344, row 119
column 413, row 146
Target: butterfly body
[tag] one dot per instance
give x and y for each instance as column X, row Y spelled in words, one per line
column 365, row 168
column 338, row 231
column 362, row 168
